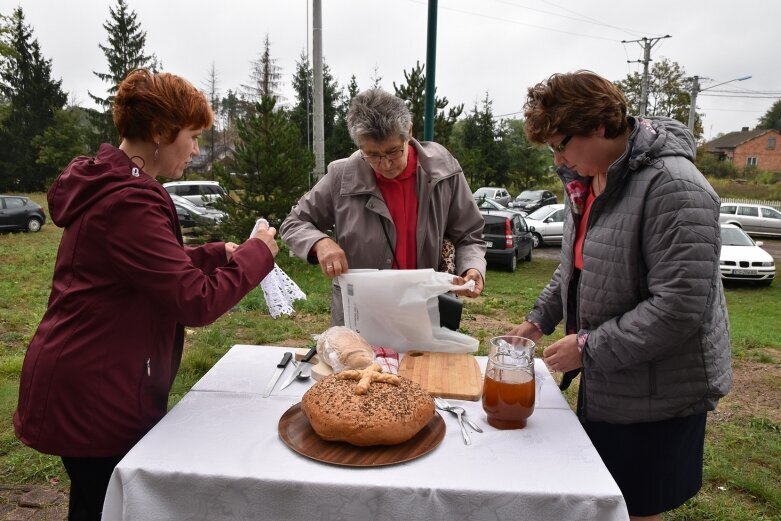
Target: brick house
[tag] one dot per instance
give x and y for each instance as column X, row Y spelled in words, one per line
column 756, row 148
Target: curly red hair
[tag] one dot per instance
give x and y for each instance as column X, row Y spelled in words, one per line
column 574, row 103
column 147, row 104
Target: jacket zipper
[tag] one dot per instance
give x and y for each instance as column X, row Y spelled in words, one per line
column 148, row 367
column 578, row 322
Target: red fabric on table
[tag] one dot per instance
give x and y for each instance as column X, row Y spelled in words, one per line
column 387, row 359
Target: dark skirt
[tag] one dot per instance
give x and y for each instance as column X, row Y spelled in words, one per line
column 657, row 465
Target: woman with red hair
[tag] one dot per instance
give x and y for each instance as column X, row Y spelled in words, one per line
column 98, row 370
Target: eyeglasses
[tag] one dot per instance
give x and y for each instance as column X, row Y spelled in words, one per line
column 376, row 159
column 561, row 146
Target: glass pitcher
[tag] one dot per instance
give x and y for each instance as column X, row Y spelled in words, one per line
column 509, row 386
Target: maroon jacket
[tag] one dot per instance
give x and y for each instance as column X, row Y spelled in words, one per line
column 97, row 373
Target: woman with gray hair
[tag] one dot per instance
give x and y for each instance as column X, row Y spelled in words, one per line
column 392, row 204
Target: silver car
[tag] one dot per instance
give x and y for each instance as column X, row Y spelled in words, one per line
column 755, row 219
column 500, row 195
column 548, row 224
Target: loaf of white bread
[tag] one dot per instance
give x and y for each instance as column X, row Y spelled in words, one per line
column 367, row 407
column 342, row 348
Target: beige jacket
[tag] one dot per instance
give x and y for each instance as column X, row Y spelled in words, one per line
column 348, row 202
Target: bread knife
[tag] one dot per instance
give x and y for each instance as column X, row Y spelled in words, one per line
column 280, row 369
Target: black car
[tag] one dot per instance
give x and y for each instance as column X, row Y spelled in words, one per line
column 507, row 238
column 20, row 213
column 530, row 200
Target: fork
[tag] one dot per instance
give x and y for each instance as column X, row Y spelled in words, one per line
column 459, row 412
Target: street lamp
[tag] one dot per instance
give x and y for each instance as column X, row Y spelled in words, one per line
column 696, row 89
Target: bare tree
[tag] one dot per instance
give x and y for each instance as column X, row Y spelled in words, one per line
column 265, row 78
column 212, row 92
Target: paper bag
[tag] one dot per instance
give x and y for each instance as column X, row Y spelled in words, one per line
column 400, row 309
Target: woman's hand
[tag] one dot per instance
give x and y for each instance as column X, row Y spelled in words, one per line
column 266, row 234
column 230, row 247
column 563, row 355
column 331, row 257
column 471, row 274
column 527, row 330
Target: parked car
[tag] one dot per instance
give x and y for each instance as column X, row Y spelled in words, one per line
column 507, row 238
column 500, row 195
column 742, row 259
column 530, row 200
column 548, row 224
column 491, row 205
column 194, row 216
column 755, row 219
column 20, row 213
column 201, row 193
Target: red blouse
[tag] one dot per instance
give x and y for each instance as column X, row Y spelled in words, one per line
column 582, row 227
column 401, row 197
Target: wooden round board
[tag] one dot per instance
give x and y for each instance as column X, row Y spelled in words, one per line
column 297, row 433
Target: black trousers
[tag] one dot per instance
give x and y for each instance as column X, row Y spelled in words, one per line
column 89, row 481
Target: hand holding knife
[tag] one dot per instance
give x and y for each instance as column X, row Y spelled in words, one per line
column 280, row 369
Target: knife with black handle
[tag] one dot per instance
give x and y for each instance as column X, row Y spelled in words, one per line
column 277, row 373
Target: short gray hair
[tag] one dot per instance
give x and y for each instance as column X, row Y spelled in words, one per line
column 378, row 115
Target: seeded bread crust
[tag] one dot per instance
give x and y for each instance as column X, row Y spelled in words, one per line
column 386, row 415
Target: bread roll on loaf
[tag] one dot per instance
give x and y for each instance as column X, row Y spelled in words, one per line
column 342, row 348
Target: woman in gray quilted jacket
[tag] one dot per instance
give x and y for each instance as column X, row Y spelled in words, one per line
column 638, row 289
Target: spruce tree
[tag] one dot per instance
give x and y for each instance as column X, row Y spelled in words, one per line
column 302, row 113
column 413, row 92
column 33, row 98
column 265, row 78
column 124, row 52
column 272, row 168
column 340, row 143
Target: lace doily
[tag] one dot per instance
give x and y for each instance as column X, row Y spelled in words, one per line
column 279, row 290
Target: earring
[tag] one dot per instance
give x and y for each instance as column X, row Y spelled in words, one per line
column 157, row 150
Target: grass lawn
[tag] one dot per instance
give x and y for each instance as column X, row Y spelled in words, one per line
column 743, row 447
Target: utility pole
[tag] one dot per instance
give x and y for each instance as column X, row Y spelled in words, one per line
column 317, row 53
column 696, row 90
column 693, row 102
column 646, row 44
column 429, row 109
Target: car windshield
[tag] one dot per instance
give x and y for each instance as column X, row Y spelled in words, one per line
column 484, row 192
column 735, row 237
column 541, row 213
column 529, row 195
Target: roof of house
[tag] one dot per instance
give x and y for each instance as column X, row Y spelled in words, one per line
column 733, row 139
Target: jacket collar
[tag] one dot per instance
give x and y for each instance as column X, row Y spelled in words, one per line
column 358, row 177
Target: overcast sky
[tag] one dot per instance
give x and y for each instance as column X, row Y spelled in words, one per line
column 496, row 46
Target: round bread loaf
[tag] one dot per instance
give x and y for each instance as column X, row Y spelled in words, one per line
column 386, row 414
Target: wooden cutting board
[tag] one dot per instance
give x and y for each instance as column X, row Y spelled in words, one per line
column 444, row 374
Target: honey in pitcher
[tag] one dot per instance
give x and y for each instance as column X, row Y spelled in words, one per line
column 508, row 401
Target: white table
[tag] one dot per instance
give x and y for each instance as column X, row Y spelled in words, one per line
column 217, row 455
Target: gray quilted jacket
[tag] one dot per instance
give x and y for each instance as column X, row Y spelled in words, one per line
column 650, row 294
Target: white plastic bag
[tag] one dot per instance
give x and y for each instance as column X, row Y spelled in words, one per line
column 400, row 309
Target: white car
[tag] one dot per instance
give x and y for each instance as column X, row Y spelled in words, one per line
column 742, row 259
column 548, row 223
column 200, row 193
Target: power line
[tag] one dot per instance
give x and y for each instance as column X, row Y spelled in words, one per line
column 716, row 95
column 481, row 15
column 580, row 17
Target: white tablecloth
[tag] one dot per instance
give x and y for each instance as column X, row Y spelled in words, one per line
column 218, row 456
